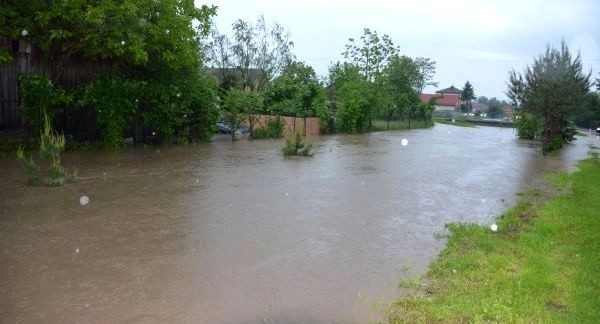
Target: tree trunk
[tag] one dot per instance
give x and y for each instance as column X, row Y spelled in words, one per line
column 251, row 123
column 304, row 126
column 552, row 133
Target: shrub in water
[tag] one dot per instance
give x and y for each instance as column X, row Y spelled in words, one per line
column 295, row 145
column 51, row 146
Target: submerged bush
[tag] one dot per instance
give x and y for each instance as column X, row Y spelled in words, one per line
column 51, row 146
column 528, row 126
column 296, row 145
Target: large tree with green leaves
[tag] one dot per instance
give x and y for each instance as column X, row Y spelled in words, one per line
column 467, row 96
column 153, row 44
column 371, row 53
column 297, row 92
column 352, row 93
column 426, row 67
column 404, row 78
column 552, row 89
column 259, row 45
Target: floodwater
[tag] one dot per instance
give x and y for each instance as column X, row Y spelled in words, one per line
column 235, row 233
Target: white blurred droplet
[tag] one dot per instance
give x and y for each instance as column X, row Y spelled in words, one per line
column 453, row 270
column 24, row 32
column 184, row 116
column 453, row 120
column 153, row 133
column 362, row 183
column 494, row 227
column 483, row 200
column 77, row 250
column 197, row 180
column 178, row 95
column 84, row 200
column 404, row 142
column 287, row 194
column 123, row 42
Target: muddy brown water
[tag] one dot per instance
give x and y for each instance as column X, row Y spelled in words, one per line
column 235, row 233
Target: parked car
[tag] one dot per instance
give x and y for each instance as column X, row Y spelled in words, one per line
column 225, row 127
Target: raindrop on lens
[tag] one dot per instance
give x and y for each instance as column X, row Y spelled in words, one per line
column 494, row 227
column 77, row 250
column 404, row 142
column 84, row 200
column 123, row 43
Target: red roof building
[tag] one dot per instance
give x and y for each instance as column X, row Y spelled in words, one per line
column 447, row 102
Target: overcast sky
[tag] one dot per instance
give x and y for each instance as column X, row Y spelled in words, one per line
column 479, row 41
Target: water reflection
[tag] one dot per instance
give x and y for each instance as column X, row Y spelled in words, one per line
column 233, row 232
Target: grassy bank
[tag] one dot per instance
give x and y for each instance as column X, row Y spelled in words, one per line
column 381, row 125
column 542, row 265
column 456, row 122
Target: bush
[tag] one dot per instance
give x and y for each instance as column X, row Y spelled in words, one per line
column 274, row 129
column 528, row 126
column 114, row 101
column 51, row 146
column 295, row 145
column 181, row 110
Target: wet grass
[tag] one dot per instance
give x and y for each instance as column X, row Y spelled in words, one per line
column 543, row 264
column 381, row 125
column 460, row 123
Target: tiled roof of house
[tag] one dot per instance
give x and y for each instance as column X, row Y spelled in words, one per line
column 448, row 100
column 452, row 90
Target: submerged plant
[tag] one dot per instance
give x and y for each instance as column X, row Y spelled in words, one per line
column 51, row 145
column 295, row 145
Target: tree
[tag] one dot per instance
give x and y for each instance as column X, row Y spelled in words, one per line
column 371, row 54
column 259, row 46
column 468, row 94
column 483, row 100
column 352, row 91
column 297, row 92
column 426, row 68
column 494, row 110
column 405, row 79
column 588, row 114
column 426, row 110
column 128, row 33
column 235, row 107
column 552, row 89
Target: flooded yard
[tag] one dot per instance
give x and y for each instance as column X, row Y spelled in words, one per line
column 236, row 233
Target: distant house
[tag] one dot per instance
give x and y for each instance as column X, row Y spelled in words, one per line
column 445, row 100
column 507, row 110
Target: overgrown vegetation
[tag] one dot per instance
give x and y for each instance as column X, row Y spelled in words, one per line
column 274, row 129
column 39, row 97
column 376, row 82
column 51, row 172
column 295, row 144
column 541, row 265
